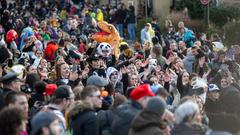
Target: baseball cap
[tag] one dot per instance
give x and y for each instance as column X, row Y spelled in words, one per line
column 157, row 105
column 213, row 87
column 62, row 92
column 141, row 91
column 97, row 81
column 41, row 119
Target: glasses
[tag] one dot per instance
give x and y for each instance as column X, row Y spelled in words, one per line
column 134, row 79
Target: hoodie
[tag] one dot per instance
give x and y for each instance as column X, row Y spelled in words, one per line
column 117, row 84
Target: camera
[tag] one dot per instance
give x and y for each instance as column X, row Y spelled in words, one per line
column 76, row 68
column 25, row 88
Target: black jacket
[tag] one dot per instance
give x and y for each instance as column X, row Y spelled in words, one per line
column 211, row 106
column 123, row 116
column 3, row 94
column 147, row 123
column 189, row 129
column 84, row 121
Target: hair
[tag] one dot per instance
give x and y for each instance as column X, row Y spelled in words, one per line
column 118, row 100
column 157, row 50
column 186, row 111
column 88, row 91
column 39, row 69
column 191, row 76
column 31, row 79
column 61, row 42
column 11, row 119
column 180, row 81
column 28, row 67
column 77, row 92
column 58, row 70
column 110, row 88
column 10, row 97
column 40, row 87
column 162, row 92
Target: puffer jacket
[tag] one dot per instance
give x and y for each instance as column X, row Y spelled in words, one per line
column 83, row 119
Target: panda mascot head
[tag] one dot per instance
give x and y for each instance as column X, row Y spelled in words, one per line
column 152, row 64
column 104, row 49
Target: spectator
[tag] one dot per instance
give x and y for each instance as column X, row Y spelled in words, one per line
column 131, row 20
column 44, row 123
column 145, row 36
column 149, row 120
column 60, row 102
column 82, row 114
column 12, row 121
column 10, row 83
column 125, row 113
column 213, row 94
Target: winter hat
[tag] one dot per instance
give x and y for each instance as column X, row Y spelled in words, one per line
column 42, row 119
column 50, row 89
column 110, row 70
column 157, row 105
column 185, row 110
column 141, row 91
column 62, row 92
column 213, row 87
column 97, row 81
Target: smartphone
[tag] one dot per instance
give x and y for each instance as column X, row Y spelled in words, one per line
column 74, row 68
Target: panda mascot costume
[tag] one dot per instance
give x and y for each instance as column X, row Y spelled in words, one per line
column 104, row 50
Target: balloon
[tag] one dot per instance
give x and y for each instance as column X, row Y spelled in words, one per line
column 11, row 36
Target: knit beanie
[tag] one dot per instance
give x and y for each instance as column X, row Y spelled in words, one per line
column 157, row 105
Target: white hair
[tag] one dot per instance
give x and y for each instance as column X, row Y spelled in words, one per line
column 184, row 110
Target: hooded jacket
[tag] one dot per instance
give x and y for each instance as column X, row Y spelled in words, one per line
column 118, row 86
column 83, row 119
column 146, row 123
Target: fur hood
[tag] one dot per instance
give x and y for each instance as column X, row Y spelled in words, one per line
column 79, row 106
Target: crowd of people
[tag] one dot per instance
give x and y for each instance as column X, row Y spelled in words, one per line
column 57, row 80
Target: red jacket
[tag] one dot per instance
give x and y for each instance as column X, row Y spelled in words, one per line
column 50, row 50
